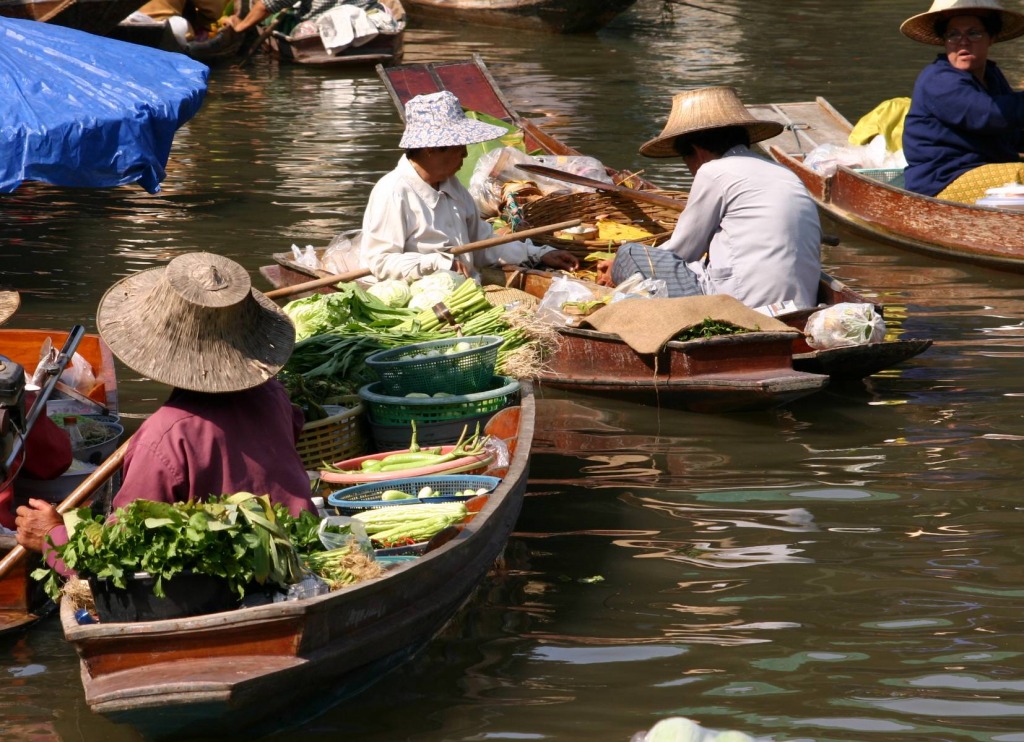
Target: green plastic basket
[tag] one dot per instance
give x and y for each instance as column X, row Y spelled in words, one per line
column 390, row 410
column 892, row 176
column 404, row 370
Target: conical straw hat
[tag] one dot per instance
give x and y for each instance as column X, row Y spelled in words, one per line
column 921, row 27
column 9, row 302
column 196, row 324
column 703, row 109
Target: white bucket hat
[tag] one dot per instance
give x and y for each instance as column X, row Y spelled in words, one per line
column 437, row 120
column 715, row 107
column 196, row 324
column 921, row 27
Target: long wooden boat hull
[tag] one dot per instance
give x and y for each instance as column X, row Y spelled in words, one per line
column 94, row 16
column 984, row 236
column 721, row 374
column 552, row 16
column 225, row 671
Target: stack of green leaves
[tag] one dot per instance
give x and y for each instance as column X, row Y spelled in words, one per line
column 239, row 537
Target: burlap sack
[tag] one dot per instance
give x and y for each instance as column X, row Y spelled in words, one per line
column 647, row 324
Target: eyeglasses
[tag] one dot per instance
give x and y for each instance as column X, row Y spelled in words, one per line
column 955, row 37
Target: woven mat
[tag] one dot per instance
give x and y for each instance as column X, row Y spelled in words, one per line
column 501, row 296
column 646, row 325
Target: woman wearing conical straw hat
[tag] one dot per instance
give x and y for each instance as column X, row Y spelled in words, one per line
column 962, row 134
column 417, row 212
column 228, row 426
column 47, row 448
column 749, row 230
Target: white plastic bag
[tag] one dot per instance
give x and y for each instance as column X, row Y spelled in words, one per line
column 342, row 253
column 844, row 324
column 306, row 258
column 638, row 287
column 353, row 529
column 565, row 289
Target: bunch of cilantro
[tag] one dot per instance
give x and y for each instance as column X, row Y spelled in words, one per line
column 242, row 538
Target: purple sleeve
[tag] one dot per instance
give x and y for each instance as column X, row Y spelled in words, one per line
column 59, row 537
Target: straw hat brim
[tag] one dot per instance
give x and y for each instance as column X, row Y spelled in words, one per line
column 921, row 27
column 663, row 145
column 9, row 303
column 191, row 349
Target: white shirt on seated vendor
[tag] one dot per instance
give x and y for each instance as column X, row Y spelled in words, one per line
column 419, row 211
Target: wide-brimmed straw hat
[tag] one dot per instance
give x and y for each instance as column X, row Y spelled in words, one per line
column 703, row 109
column 921, row 27
column 437, row 120
column 9, row 302
column 196, row 324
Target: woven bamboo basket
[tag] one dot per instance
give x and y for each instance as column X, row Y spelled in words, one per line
column 340, row 436
column 589, row 207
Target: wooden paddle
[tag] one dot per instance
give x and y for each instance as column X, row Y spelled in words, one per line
column 633, row 193
column 82, row 492
column 459, row 250
column 264, row 33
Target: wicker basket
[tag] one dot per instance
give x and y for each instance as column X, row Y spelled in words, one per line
column 341, row 436
column 659, row 220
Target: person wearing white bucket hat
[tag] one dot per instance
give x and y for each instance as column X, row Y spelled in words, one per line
column 228, row 426
column 420, row 210
column 962, row 134
column 749, row 230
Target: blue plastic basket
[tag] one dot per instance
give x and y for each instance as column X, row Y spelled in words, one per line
column 367, row 496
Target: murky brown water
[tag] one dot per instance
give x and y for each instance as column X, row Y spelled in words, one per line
column 846, row 568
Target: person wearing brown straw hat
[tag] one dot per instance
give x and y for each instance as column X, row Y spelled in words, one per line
column 749, row 230
column 420, row 210
column 228, row 426
column 962, row 134
column 46, row 449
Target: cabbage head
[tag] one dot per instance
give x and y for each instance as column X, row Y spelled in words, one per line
column 426, row 299
column 318, row 313
column 393, row 292
column 442, row 281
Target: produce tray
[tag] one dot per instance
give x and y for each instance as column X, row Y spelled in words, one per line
column 385, row 409
column 465, row 465
column 405, row 370
column 366, row 496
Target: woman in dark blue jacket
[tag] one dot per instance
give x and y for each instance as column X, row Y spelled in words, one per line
column 963, row 114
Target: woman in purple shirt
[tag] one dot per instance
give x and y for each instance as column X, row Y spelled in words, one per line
column 198, row 326
column 962, row 134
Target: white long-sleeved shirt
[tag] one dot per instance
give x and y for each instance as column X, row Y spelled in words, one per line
column 751, row 231
column 409, row 227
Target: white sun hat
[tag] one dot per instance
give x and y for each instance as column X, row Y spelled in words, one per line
column 437, row 120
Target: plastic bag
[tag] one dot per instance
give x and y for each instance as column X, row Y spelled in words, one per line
column 873, row 155
column 565, row 289
column 638, row 287
column 350, row 528
column 309, row 586
column 844, row 324
column 306, row 258
column 497, row 168
column 342, row 253
column 681, row 729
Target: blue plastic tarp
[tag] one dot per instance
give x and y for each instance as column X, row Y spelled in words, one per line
column 87, row 111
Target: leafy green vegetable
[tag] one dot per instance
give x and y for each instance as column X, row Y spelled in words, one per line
column 317, row 313
column 239, row 537
column 710, row 328
column 394, row 292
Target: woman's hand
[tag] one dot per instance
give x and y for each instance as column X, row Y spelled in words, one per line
column 604, row 273
column 34, row 521
column 560, row 260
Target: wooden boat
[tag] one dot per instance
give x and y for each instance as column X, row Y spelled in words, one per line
column 385, row 49
column 221, row 672
column 553, row 16
column 868, row 205
column 22, row 601
column 221, row 47
column 94, row 16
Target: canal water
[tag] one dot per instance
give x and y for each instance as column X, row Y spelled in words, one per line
column 848, row 567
